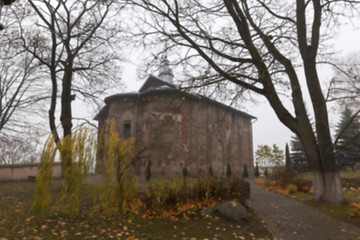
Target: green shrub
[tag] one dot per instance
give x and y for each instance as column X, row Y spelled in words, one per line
column 291, row 188
column 302, row 184
column 245, row 172
column 169, row 194
column 281, row 176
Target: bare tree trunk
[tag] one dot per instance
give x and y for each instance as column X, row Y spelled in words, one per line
column 66, row 118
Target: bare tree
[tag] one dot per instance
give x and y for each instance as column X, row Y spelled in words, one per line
column 14, row 150
column 75, row 41
column 2, row 4
column 344, row 91
column 259, row 46
column 20, row 83
column 344, row 87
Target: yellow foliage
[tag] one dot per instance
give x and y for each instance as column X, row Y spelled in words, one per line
column 291, row 188
column 259, row 181
column 42, row 191
column 78, row 154
column 354, row 209
column 119, row 189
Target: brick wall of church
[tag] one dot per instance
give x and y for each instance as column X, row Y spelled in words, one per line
column 174, row 131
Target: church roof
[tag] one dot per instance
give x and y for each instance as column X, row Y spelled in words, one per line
column 163, row 84
column 153, row 82
column 154, row 85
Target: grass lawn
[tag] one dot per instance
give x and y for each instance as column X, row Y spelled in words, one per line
column 17, row 223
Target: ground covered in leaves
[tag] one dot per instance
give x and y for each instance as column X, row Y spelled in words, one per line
column 16, row 222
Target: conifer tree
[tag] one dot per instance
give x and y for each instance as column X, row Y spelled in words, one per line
column 228, row 171
column 257, row 173
column 148, row 171
column 298, row 156
column 211, row 172
column 266, row 172
column 185, row 172
column 347, row 143
column 245, row 173
column 288, row 164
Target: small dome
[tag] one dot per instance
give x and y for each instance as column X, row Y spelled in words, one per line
column 165, row 72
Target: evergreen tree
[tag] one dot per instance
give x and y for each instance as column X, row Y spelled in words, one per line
column 185, row 172
column 288, row 164
column 210, row 172
column 257, row 173
column 347, row 145
column 298, row 156
column 228, row 171
column 266, row 172
column 245, row 173
column 148, row 171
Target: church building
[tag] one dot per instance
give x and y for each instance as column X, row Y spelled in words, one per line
column 175, row 129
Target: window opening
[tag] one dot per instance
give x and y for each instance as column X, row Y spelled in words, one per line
column 127, row 130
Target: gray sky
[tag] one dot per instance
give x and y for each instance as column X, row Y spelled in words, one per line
column 267, row 129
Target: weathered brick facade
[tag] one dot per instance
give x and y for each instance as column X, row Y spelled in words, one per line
column 175, row 129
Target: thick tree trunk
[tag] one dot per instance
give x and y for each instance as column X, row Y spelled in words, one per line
column 66, row 121
column 331, row 178
column 309, row 142
column 325, row 177
column 308, row 40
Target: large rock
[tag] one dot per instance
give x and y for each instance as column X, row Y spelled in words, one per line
column 233, row 210
column 357, row 167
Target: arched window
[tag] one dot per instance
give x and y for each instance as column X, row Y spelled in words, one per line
column 127, row 130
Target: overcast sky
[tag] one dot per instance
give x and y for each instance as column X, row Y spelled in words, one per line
column 267, row 129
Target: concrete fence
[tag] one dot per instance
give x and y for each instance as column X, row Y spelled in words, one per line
column 18, row 172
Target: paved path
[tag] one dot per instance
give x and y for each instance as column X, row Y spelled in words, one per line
column 288, row 219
